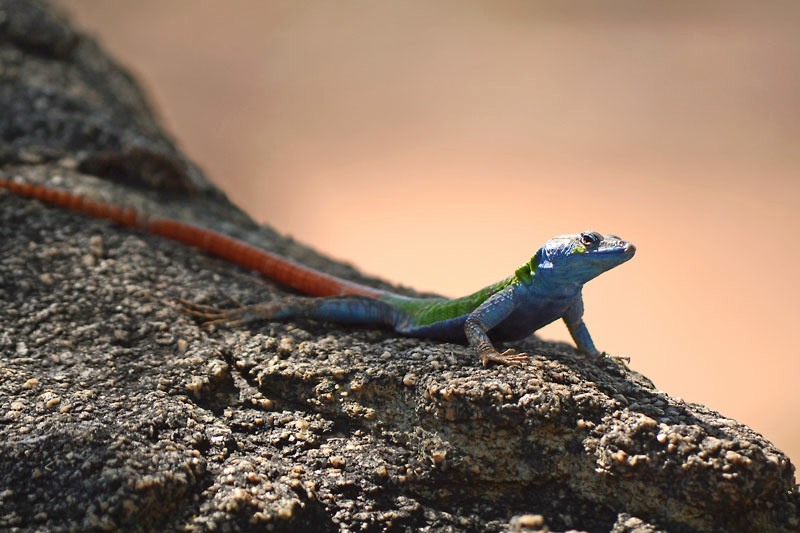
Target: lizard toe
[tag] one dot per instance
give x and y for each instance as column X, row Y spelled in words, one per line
column 508, row 358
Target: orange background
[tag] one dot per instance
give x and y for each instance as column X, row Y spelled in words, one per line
column 440, row 144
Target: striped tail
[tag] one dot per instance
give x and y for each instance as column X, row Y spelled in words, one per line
column 284, row 271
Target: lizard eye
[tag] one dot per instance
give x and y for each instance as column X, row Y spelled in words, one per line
column 590, row 239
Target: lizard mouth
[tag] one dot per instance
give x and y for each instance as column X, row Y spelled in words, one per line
column 624, row 248
column 616, row 252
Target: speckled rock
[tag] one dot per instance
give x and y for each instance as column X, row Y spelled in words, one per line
column 119, row 413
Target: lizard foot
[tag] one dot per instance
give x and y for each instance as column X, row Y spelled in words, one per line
column 213, row 316
column 599, row 356
column 620, row 359
column 508, row 357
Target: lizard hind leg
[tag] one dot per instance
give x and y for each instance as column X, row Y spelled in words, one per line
column 214, row 316
column 342, row 309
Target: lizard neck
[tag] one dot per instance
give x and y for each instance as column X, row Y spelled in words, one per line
column 547, row 283
column 544, row 280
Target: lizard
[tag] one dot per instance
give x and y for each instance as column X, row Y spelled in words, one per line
column 546, row 288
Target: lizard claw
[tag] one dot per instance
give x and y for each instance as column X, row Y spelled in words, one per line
column 508, row 357
column 212, row 316
column 599, row 356
column 620, row 359
column 194, row 309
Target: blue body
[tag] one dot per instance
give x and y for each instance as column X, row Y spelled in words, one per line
column 531, row 312
column 541, row 291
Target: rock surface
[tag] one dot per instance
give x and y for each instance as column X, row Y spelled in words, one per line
column 117, row 412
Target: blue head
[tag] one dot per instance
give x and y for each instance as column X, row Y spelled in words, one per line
column 569, row 261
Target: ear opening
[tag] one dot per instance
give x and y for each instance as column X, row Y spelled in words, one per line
column 538, row 261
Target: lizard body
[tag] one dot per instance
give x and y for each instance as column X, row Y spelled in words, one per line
column 544, row 289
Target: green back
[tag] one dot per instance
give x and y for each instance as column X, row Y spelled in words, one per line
column 427, row 311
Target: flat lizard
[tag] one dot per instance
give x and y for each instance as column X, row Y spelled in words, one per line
column 544, row 289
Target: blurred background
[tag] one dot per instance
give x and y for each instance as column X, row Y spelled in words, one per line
column 439, row 144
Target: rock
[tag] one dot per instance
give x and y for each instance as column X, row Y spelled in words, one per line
column 117, row 412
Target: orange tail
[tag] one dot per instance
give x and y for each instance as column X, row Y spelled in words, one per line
column 284, row 271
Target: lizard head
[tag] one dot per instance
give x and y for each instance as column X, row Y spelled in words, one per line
column 572, row 260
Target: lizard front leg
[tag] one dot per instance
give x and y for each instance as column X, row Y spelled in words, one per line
column 573, row 318
column 486, row 316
